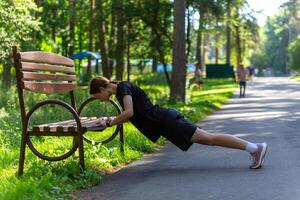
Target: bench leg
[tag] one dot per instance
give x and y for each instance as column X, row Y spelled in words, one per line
column 81, row 152
column 22, row 154
column 122, row 139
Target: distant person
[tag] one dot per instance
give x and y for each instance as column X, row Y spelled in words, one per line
column 242, row 78
column 198, row 79
column 250, row 72
column 154, row 121
column 256, row 71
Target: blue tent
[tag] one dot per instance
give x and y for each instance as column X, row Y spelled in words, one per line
column 88, row 54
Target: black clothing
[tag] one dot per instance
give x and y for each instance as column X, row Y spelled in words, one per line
column 178, row 130
column 153, row 121
column 242, row 88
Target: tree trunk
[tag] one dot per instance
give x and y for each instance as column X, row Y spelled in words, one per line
column 128, row 50
column 64, row 45
column 205, row 42
column 128, row 61
column 91, row 30
column 217, row 37
column 6, row 76
column 120, row 40
column 154, row 64
column 217, row 50
column 111, row 42
column 53, row 28
column 80, row 39
column 158, row 42
column 72, row 10
column 36, row 15
column 199, row 44
column 179, row 57
column 102, row 42
column 228, row 36
column 163, row 61
column 238, row 46
column 188, row 33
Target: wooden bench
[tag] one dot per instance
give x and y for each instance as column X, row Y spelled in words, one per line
column 49, row 73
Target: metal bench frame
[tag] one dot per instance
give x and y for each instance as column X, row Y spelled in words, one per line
column 28, row 67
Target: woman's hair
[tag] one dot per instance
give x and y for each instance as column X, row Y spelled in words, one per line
column 98, row 82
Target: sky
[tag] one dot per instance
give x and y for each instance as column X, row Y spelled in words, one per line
column 268, row 8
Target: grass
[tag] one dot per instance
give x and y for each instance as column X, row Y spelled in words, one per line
column 57, row 180
column 296, row 78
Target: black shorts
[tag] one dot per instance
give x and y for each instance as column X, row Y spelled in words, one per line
column 178, row 130
column 242, row 83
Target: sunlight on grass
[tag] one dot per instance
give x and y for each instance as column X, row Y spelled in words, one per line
column 214, row 91
column 296, row 78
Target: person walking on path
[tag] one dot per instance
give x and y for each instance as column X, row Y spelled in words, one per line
column 250, row 72
column 242, row 78
column 154, row 121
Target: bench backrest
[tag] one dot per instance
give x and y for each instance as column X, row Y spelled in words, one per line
column 43, row 72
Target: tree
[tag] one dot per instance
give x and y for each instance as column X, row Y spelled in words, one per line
column 120, row 46
column 102, row 40
column 157, row 16
column 228, row 33
column 208, row 10
column 179, row 57
column 244, row 28
column 72, row 8
column 276, row 43
column 91, row 41
column 259, row 61
column 217, row 29
column 294, row 49
column 112, row 37
column 16, row 25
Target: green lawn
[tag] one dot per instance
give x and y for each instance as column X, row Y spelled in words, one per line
column 296, row 78
column 57, row 180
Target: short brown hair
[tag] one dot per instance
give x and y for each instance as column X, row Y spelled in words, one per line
column 98, row 82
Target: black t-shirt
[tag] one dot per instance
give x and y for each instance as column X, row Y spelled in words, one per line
column 147, row 118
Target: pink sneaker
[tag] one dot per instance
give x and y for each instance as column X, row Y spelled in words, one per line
column 259, row 156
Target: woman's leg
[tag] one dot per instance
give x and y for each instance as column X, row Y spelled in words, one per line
column 244, row 88
column 202, row 137
column 257, row 151
column 241, row 89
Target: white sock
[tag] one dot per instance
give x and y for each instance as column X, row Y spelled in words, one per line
column 251, row 147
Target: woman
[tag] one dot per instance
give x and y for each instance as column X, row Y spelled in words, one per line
column 153, row 121
column 242, row 78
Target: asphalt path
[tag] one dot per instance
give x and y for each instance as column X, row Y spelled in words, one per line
column 270, row 113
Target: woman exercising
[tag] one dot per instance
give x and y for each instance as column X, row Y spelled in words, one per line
column 154, row 121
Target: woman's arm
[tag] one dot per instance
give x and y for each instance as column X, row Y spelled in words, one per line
column 126, row 114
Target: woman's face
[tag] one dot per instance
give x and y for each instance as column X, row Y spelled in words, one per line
column 103, row 95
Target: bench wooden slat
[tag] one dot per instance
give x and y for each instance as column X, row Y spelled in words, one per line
column 47, row 133
column 71, row 121
column 54, row 77
column 45, row 67
column 46, row 57
column 48, row 88
column 69, row 126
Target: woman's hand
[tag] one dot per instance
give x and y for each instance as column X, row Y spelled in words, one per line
column 126, row 114
column 102, row 121
column 109, row 120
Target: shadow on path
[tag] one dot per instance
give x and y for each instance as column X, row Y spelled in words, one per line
column 270, row 112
